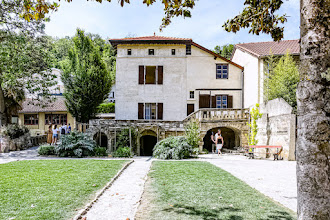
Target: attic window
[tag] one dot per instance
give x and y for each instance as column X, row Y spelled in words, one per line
column 129, row 52
column 151, row 52
column 173, row 52
column 188, row 49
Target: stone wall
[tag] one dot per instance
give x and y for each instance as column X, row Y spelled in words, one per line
column 277, row 127
column 21, row 143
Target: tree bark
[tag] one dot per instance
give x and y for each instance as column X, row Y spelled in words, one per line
column 2, row 108
column 313, row 95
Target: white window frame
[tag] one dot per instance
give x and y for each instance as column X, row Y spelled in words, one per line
column 219, row 72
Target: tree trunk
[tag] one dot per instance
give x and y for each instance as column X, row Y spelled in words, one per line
column 2, row 108
column 313, row 95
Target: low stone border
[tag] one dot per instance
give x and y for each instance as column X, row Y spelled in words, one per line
column 100, row 193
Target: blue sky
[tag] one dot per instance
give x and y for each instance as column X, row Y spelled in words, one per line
column 111, row 21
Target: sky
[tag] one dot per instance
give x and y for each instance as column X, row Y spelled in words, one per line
column 136, row 19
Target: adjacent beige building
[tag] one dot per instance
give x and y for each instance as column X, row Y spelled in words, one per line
column 252, row 57
column 166, row 78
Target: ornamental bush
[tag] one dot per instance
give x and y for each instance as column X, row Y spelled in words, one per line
column 75, row 144
column 176, row 148
column 122, row 152
column 106, row 108
column 46, row 150
column 100, row 151
column 14, row 131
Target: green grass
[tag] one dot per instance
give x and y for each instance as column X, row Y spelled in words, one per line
column 199, row 190
column 51, row 189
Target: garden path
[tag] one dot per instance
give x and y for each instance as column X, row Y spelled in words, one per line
column 121, row 200
column 275, row 179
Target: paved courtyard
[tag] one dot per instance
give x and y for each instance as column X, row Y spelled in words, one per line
column 275, row 179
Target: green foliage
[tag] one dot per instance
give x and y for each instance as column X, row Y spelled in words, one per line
column 254, row 116
column 176, row 148
column 86, row 79
column 281, row 80
column 46, row 150
column 122, row 152
column 195, row 151
column 14, row 130
column 259, row 17
column 106, row 108
column 75, row 144
column 225, row 50
column 123, row 138
column 100, row 151
column 192, row 133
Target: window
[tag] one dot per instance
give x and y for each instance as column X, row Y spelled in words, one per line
column 192, row 94
column 129, row 52
column 173, row 52
column 150, row 111
column 150, row 75
column 222, row 101
column 56, row 119
column 31, row 119
column 151, row 52
column 222, row 71
column 188, row 49
column 14, row 119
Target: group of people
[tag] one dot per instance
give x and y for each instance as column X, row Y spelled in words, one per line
column 54, row 132
column 217, row 139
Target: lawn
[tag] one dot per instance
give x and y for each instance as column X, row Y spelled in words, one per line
column 200, row 190
column 51, row 189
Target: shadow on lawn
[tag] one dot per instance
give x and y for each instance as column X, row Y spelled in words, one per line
column 206, row 214
column 278, row 215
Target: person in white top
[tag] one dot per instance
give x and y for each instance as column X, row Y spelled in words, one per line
column 216, row 140
column 55, row 134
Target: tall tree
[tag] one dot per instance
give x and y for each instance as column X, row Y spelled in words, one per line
column 225, row 50
column 313, row 93
column 86, row 79
column 281, row 80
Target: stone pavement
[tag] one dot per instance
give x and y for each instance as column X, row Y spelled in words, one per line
column 121, row 200
column 275, row 179
column 29, row 154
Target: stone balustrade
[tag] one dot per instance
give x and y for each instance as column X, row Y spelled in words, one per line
column 215, row 114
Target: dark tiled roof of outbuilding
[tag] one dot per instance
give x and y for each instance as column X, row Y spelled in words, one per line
column 260, row 49
column 57, row 106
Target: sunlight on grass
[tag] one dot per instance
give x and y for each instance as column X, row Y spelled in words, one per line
column 199, row 190
column 51, row 189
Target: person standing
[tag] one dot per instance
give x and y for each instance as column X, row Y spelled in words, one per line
column 49, row 134
column 217, row 139
column 55, row 134
column 63, row 129
column 69, row 129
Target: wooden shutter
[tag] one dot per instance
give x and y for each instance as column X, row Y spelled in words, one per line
column 141, row 111
column 230, row 101
column 190, row 108
column 141, row 74
column 204, row 101
column 214, row 101
column 160, row 75
column 160, row 111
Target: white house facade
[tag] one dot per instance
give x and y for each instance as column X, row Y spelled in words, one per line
column 165, row 78
column 252, row 57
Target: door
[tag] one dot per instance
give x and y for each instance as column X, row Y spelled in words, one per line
column 204, row 101
column 190, row 108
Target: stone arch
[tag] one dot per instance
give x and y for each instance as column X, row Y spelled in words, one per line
column 101, row 139
column 231, row 138
column 147, row 139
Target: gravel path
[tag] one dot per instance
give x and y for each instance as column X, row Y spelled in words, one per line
column 121, row 200
column 275, row 179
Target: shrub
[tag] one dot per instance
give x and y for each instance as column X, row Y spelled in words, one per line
column 172, row 148
column 46, row 150
column 192, row 133
column 123, row 152
column 123, row 139
column 100, row 151
column 106, row 108
column 14, row 131
column 195, row 151
column 75, row 144
column 205, row 151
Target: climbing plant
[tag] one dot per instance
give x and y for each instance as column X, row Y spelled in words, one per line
column 254, row 116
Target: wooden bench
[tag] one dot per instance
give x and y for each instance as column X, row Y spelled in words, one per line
column 251, row 153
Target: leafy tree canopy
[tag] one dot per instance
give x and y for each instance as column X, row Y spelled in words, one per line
column 225, row 50
column 86, row 78
column 282, row 78
column 259, row 16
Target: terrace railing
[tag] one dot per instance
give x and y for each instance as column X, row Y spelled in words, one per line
column 216, row 114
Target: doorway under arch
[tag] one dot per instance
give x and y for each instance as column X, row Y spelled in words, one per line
column 101, row 139
column 230, row 137
column 147, row 143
